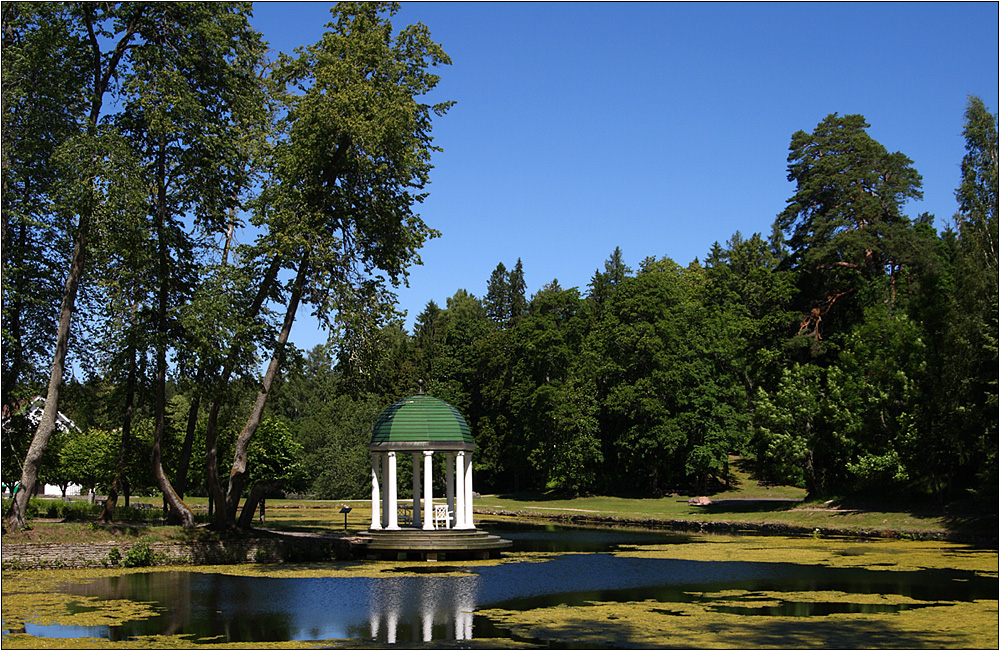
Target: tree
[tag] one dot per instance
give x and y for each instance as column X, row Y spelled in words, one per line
column 746, row 297
column 883, row 360
column 516, row 300
column 89, row 145
column 640, row 341
column 845, row 223
column 339, row 207
column 505, row 302
column 17, row 432
column 272, row 462
column 970, row 365
column 977, row 194
column 788, row 420
column 558, row 414
column 428, row 335
column 604, row 283
column 750, row 294
column 331, row 419
column 87, row 458
column 497, row 299
column 174, row 72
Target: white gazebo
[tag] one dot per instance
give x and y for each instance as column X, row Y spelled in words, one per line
column 422, row 426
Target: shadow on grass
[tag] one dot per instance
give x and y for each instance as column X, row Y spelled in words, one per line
column 538, row 496
column 979, row 530
column 749, row 506
column 306, row 525
column 965, row 522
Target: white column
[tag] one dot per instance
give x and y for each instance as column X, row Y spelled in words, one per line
column 416, row 487
column 449, row 482
column 385, row 489
column 465, row 617
column 391, row 490
column 390, row 633
column 428, row 491
column 376, row 498
column 460, row 490
column 468, row 494
column 428, row 621
column 464, row 608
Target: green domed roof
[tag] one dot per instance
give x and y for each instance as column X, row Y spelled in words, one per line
column 421, row 421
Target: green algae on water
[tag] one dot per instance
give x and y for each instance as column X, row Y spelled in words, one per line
column 880, row 554
column 696, row 624
column 33, row 598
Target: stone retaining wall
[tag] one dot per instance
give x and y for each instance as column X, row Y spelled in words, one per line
column 58, row 555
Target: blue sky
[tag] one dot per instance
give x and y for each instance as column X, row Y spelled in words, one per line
column 659, row 127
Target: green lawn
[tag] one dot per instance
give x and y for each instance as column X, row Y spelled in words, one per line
column 747, row 502
column 753, row 512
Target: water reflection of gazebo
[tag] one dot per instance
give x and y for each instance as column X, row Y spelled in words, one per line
column 423, row 426
column 423, row 611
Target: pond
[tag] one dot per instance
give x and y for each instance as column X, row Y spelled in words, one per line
column 552, row 578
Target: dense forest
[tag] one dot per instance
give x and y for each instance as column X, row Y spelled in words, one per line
column 852, row 350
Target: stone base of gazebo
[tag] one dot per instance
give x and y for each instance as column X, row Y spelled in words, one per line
column 433, row 545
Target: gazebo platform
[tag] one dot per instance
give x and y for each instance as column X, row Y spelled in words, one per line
column 432, row 545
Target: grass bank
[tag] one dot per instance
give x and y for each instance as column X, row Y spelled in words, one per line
column 746, row 507
column 775, row 515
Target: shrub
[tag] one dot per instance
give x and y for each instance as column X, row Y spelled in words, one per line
column 114, row 557
column 266, row 553
column 78, row 510
column 139, row 555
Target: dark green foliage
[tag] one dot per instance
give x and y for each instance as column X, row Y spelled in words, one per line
column 821, row 359
column 331, row 424
column 965, row 396
column 901, row 395
column 845, row 226
column 114, row 557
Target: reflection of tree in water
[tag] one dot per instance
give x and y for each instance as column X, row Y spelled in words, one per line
column 421, row 609
column 199, row 605
column 158, row 588
column 238, row 609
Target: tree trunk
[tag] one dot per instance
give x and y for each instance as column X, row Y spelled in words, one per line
column 211, row 453
column 256, row 496
column 215, row 493
column 238, row 474
column 119, row 482
column 192, row 423
column 178, row 509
